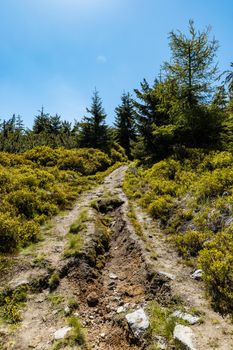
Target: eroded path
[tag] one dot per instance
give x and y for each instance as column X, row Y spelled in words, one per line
column 110, row 273
column 115, row 272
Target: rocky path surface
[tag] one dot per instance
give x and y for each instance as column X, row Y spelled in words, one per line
column 116, row 273
column 214, row 331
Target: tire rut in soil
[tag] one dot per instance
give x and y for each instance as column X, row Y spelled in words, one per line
column 119, row 280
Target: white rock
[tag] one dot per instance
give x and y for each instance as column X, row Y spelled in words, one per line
column 184, row 335
column 186, row 317
column 168, row 275
column 67, row 311
column 138, row 322
column 197, row 275
column 61, row 333
column 18, row 283
column 113, row 276
column 120, row 309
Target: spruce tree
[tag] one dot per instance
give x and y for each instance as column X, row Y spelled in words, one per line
column 125, row 122
column 92, row 130
column 148, row 116
column 41, row 122
column 229, row 79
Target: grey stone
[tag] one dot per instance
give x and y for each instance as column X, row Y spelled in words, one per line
column 184, row 336
column 170, row 276
column 138, row 322
column 113, row 276
column 120, row 309
column 197, row 275
column 186, row 317
column 61, row 333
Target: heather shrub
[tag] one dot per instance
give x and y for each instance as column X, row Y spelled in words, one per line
column 38, row 183
column 216, row 260
column 192, row 198
column 9, row 232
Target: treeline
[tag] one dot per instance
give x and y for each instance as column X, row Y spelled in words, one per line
column 190, row 105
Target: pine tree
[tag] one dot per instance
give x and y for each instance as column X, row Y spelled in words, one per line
column 93, row 132
column 125, row 122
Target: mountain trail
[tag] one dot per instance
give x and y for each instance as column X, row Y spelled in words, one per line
column 116, row 271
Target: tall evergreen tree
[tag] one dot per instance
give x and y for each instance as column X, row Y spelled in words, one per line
column 193, row 68
column 41, row 122
column 93, row 132
column 192, row 64
column 148, row 115
column 125, row 122
column 54, row 124
column 229, row 79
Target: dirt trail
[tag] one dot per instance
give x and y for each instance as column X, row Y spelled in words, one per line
column 111, row 276
column 215, row 332
column 119, row 281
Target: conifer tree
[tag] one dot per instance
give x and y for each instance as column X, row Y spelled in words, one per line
column 192, row 64
column 41, row 122
column 125, row 122
column 93, row 132
column 148, row 116
column 229, row 79
column 193, row 69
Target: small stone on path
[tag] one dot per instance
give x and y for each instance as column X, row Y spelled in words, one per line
column 138, row 322
column 168, row 275
column 186, row 317
column 61, row 333
column 197, row 275
column 184, row 336
column 113, row 276
column 19, row 282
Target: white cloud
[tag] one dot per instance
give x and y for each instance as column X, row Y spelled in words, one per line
column 101, row 59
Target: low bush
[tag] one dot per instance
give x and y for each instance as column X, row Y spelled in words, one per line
column 216, row 260
column 38, row 183
column 192, row 198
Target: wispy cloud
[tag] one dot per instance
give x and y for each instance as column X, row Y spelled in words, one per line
column 101, row 59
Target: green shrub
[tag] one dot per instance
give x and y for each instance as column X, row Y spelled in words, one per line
column 9, row 232
column 25, row 202
column 43, row 156
column 191, row 242
column 161, row 207
column 216, row 261
column 38, row 183
column 29, row 232
column 11, row 304
column 193, row 199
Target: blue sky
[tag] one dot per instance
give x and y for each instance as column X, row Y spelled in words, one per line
column 55, row 52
